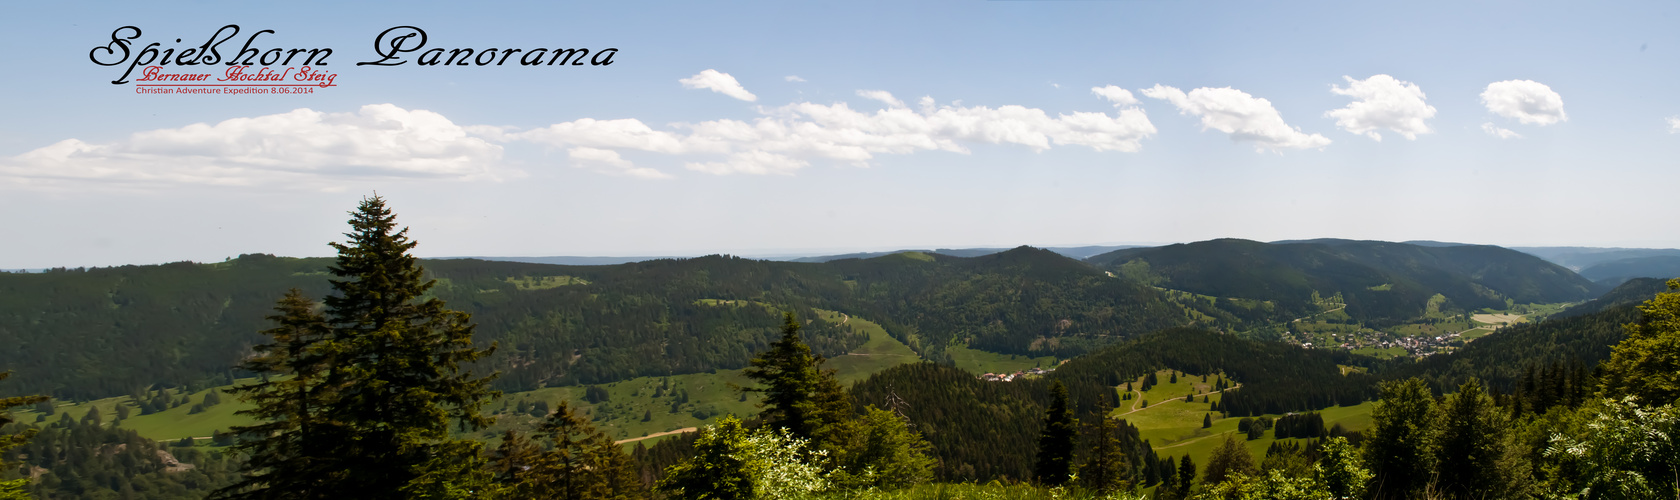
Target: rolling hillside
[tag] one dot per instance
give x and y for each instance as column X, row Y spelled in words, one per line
column 94, row 333
column 1380, row 282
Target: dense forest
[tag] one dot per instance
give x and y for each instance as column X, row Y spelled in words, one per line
column 90, row 333
column 1381, row 283
column 1276, row 377
column 373, row 372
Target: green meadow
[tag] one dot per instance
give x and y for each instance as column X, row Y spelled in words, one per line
column 634, row 408
column 977, row 361
column 1174, row 426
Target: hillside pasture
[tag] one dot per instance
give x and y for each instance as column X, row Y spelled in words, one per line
column 977, row 361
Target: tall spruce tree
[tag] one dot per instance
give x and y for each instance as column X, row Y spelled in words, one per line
column 400, row 377
column 583, row 463
column 286, row 447
column 1186, row 476
column 806, row 400
column 1107, row 469
column 389, row 381
column 1056, row 440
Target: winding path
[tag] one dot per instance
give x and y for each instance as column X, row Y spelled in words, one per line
column 658, row 434
column 1137, row 397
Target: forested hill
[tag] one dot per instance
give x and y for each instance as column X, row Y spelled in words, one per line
column 987, row 430
column 1631, row 292
column 1380, row 282
column 1021, row 301
column 88, row 333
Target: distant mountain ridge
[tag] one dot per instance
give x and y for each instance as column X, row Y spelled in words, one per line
column 1634, row 291
column 1381, row 282
column 1618, row 271
column 1579, row 258
column 83, row 333
column 108, row 331
column 1078, row 253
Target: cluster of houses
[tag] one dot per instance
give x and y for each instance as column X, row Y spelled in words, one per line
column 1416, row 346
column 1010, row 377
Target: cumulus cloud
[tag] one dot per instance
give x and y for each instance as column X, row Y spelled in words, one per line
column 1530, row 102
column 881, row 95
column 1243, row 116
column 750, row 162
column 303, row 147
column 793, row 78
column 607, row 161
column 1674, row 124
column 1116, row 95
column 719, row 82
column 1382, row 102
column 1502, row 133
column 789, row 137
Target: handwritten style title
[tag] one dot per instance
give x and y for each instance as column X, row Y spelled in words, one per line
column 393, row 46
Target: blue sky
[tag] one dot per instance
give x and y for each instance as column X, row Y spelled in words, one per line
column 1015, row 147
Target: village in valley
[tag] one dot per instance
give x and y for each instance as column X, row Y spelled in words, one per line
column 1010, row 377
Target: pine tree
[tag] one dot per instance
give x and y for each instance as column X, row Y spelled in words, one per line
column 583, row 464
column 286, row 448
column 14, row 488
column 1229, row 459
column 1396, row 446
column 1207, row 420
column 1468, row 435
column 809, row 402
column 1169, row 479
column 511, row 464
column 1056, row 440
column 1107, row 468
column 1186, row 476
column 375, row 391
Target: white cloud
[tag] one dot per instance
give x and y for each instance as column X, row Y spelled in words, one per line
column 881, row 95
column 1382, row 102
column 627, row 133
column 793, row 78
column 1502, row 133
column 719, row 82
column 1674, row 124
column 300, row 148
column 1245, row 117
column 1116, row 95
column 751, row 162
column 607, row 161
column 789, row 137
column 1528, row 101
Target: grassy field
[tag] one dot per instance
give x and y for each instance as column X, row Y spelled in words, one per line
column 1200, row 445
column 1174, row 427
column 977, row 361
column 1432, row 329
column 171, row 424
column 1475, row 334
column 879, row 353
column 1381, row 353
column 635, row 408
